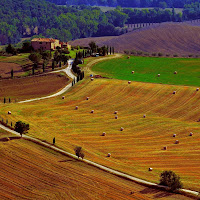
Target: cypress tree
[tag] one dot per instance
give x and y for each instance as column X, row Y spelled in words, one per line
column 9, row 100
column 43, row 67
column 60, row 64
column 53, row 65
column 4, row 100
column 54, row 140
column 110, row 50
column 12, row 73
column 6, row 121
column 33, row 71
column 11, row 124
column 72, row 83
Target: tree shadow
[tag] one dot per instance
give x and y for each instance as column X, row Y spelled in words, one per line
column 70, row 160
column 157, row 193
column 6, row 139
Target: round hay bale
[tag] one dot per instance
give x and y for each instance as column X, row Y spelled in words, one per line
column 121, row 129
column 87, row 98
column 116, row 112
column 129, row 82
column 76, row 108
column 176, row 142
column 197, row 89
column 63, row 97
column 165, row 147
column 109, row 155
column 92, row 79
column 116, row 117
column 150, row 169
column 174, row 92
column 175, row 72
column 174, row 135
column 103, row 134
column 191, row 134
column 158, row 75
column 144, row 116
column 128, row 57
column 9, row 112
column 92, row 111
column 133, row 72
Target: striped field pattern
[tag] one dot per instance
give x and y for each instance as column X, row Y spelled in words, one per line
column 140, row 145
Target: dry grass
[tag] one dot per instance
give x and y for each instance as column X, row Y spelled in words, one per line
column 29, row 171
column 31, row 87
column 141, row 143
column 170, row 38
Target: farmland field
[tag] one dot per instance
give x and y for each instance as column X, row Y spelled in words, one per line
column 146, row 69
column 31, row 87
column 140, row 145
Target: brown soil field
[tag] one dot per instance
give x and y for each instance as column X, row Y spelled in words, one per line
column 170, row 38
column 29, row 171
column 31, row 87
column 5, row 69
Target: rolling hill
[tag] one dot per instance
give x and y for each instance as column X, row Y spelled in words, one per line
column 169, row 38
column 29, row 171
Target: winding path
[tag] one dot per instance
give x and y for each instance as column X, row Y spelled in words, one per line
column 123, row 175
column 67, row 70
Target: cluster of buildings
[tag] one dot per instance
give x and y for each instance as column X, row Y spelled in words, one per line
column 48, row 44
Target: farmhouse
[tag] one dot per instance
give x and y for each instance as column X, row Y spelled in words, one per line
column 48, row 44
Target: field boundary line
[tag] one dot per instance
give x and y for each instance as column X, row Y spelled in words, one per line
column 99, row 166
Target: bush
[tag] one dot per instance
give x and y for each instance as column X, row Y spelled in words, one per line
column 160, row 54
column 153, row 54
column 175, row 55
column 170, row 179
column 79, row 152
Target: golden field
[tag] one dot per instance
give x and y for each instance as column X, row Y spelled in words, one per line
column 29, row 171
column 140, row 145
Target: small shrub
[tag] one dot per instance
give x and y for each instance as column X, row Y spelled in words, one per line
column 126, row 52
column 190, row 55
column 167, row 55
column 153, row 54
column 170, row 179
column 175, row 55
column 139, row 53
column 79, row 152
column 160, row 54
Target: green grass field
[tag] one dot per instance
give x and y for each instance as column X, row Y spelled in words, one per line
column 147, row 69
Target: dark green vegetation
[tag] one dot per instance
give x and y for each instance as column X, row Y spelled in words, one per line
column 21, row 127
column 170, row 179
column 126, row 3
column 25, row 18
column 146, row 69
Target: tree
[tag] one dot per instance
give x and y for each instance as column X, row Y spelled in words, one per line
column 170, row 179
column 10, row 49
column 93, row 46
column 79, row 152
column 21, row 127
column 4, row 100
column 12, row 73
column 54, row 140
column 35, row 58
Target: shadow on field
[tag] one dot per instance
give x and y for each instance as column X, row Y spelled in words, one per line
column 70, row 160
column 6, row 139
column 158, row 194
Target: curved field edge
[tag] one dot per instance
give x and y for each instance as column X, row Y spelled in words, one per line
column 174, row 71
column 140, row 145
column 30, row 163
column 30, row 87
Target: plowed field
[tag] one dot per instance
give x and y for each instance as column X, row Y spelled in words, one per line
column 140, row 145
column 29, row 171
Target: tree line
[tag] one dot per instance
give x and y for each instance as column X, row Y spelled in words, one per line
column 22, row 18
column 127, row 3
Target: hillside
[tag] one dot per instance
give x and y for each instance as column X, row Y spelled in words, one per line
column 29, row 171
column 169, row 38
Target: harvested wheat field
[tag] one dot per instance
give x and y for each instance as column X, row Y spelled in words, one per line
column 169, row 38
column 5, row 69
column 140, row 145
column 29, row 171
column 31, row 87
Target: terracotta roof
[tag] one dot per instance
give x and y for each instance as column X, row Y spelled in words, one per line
column 43, row 40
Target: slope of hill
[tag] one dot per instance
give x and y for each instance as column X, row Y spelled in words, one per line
column 171, row 38
column 29, row 171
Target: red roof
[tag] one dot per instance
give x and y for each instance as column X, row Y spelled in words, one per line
column 43, row 40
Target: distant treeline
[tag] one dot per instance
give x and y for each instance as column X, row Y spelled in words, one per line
column 127, row 3
column 24, row 18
